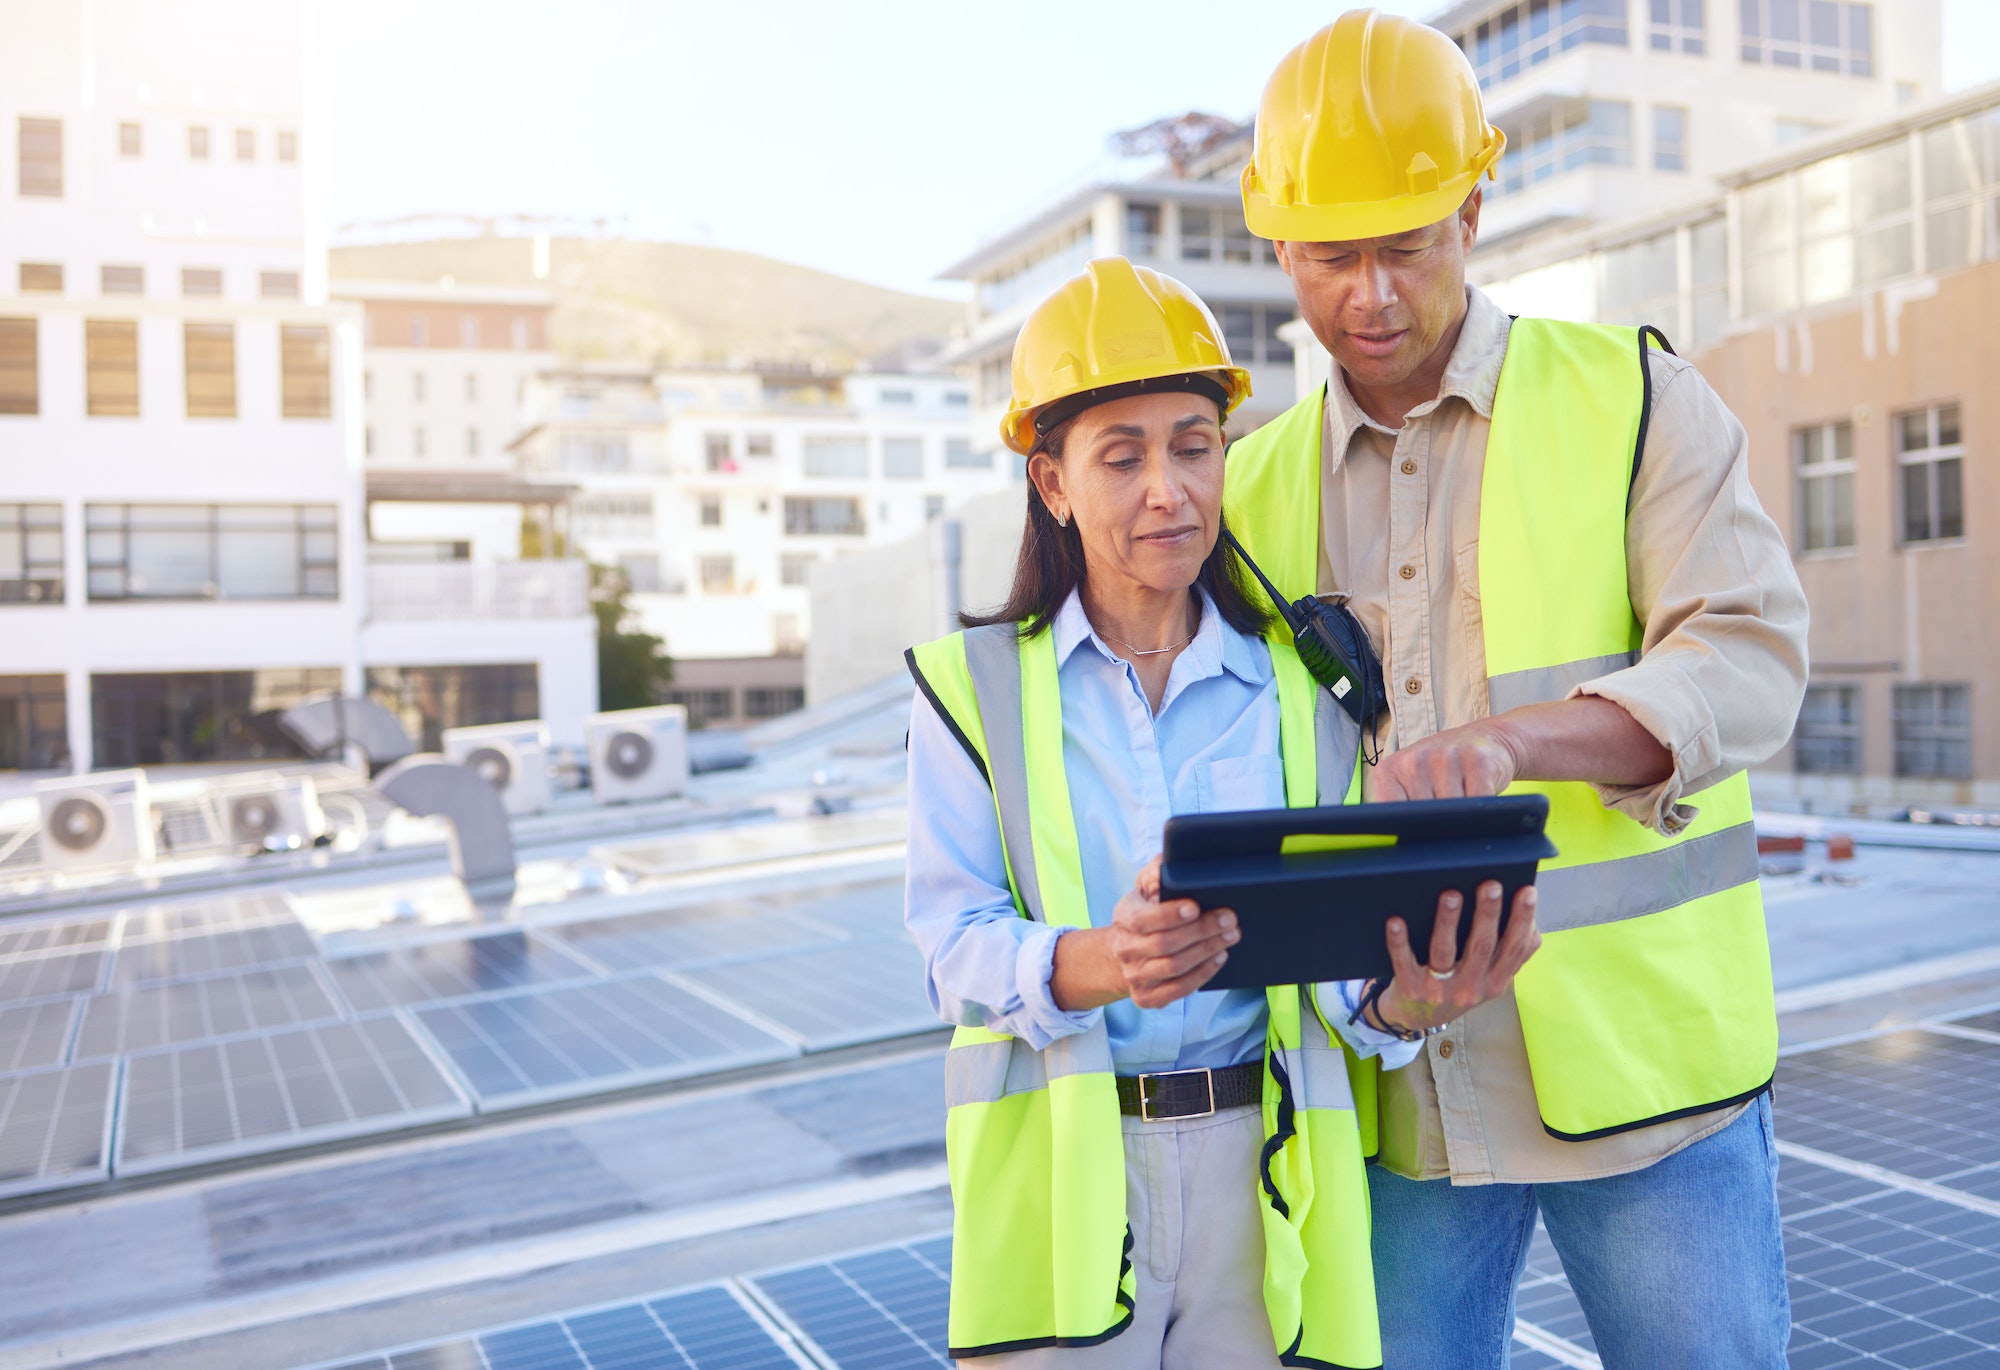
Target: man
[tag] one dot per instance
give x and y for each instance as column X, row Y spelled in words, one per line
column 1549, row 532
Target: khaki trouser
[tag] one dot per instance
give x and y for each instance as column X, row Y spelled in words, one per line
column 1197, row 1248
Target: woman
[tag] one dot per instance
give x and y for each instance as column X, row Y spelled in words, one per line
column 1222, row 1220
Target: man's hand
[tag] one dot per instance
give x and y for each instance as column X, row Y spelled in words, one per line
column 1450, row 984
column 1586, row 738
column 1458, row 763
column 1152, row 954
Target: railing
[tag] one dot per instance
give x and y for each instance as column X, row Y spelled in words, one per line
column 465, row 590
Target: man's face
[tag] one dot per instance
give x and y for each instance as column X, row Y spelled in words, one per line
column 1384, row 306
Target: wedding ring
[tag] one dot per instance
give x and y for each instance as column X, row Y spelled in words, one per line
column 1442, row 974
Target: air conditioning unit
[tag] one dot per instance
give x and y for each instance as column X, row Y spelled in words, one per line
column 511, row 757
column 271, row 813
column 95, row 820
column 638, row 753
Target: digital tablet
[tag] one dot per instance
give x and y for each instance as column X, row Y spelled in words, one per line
column 1314, row 888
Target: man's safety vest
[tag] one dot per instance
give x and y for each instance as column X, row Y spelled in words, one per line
column 1651, row 997
column 1040, row 1243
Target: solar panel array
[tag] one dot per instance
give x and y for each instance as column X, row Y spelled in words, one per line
column 208, row 1030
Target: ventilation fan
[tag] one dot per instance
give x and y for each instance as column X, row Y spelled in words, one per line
column 638, row 753
column 511, row 757
column 95, row 820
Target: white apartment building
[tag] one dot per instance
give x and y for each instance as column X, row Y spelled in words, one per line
column 715, row 492
column 180, row 537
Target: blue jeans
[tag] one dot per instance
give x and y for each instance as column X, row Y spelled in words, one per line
column 1680, row 1266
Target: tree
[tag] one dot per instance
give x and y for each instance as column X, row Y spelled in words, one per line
column 631, row 666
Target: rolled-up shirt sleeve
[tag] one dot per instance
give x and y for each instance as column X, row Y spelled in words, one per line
column 1723, row 662
column 984, row 964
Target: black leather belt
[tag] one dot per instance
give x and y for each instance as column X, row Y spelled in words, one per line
column 1190, row 1093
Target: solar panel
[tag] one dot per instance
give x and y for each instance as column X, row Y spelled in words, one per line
column 190, row 1104
column 53, row 936
column 545, row 1044
column 831, row 996
column 54, row 1127
column 702, row 935
column 193, row 1010
column 759, row 842
column 34, row 1034
column 173, row 958
column 882, row 1309
column 873, row 909
column 211, row 915
column 46, row 974
column 452, row 970
column 1918, row 1102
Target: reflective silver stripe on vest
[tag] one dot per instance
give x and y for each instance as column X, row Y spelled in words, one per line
column 1546, row 684
column 1336, row 740
column 1316, row 1067
column 987, row 1072
column 993, row 660
column 1634, row 886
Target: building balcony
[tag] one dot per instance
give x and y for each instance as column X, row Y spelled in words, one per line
column 458, row 590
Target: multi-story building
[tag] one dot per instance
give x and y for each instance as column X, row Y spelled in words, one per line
column 180, row 537
column 715, row 492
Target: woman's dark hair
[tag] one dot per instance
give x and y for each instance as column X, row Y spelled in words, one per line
column 1051, row 565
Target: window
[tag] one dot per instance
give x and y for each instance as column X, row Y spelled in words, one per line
column 468, row 331
column 111, row 368
column 1053, row 259
column 472, row 442
column 960, row 455
column 623, row 515
column 717, row 452
column 246, row 145
column 131, row 140
column 288, row 151
column 957, row 399
column 1930, row 455
column 1251, row 333
column 201, row 282
column 1676, row 24
column 933, row 507
column 641, row 572
column 429, row 699
column 41, row 157
column 718, row 574
column 1961, row 162
column 843, row 457
column 1577, row 135
column 418, row 441
column 758, row 445
column 809, row 516
column 20, row 368
column 188, row 716
column 1142, row 230
column 121, row 280
column 305, row 356
column 795, row 568
column 34, row 723
column 1670, row 138
column 197, row 142
column 278, row 285
column 768, row 701
column 210, row 354
column 1528, row 34
column 1827, row 740
column 1824, row 456
column 1708, row 244
column 417, row 386
column 593, row 452
column 41, row 278
column 420, row 330
column 1934, row 731
column 1276, row 349
column 471, row 387
column 899, row 397
column 31, row 554
column 1825, row 35
column 711, row 511
column 903, row 458
column 704, row 706
column 1215, row 234
column 211, row 551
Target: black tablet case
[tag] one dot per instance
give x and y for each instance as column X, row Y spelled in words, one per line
column 1319, row 915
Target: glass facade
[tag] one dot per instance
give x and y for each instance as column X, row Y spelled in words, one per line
column 173, row 718
column 429, row 699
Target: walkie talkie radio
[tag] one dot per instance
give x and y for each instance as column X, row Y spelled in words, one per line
column 1335, row 648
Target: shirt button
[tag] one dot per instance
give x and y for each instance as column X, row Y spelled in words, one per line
column 1407, row 572
column 1413, row 685
column 1409, row 467
column 1444, row 1050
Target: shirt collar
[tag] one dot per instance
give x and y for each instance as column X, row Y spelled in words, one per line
column 1472, row 374
column 1217, row 647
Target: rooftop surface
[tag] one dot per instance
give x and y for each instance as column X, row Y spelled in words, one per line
column 678, row 1102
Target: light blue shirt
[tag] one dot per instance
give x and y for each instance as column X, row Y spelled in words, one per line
column 1212, row 746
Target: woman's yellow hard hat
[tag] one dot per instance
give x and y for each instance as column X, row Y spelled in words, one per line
column 1371, row 127
column 1120, row 329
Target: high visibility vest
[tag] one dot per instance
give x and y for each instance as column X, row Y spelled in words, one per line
column 1040, row 1242
column 1651, row 997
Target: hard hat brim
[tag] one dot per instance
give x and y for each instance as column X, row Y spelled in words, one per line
column 1342, row 223
column 1017, row 428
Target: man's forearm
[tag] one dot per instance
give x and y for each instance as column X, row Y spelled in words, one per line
column 1585, row 738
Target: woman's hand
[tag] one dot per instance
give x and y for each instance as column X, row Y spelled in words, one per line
column 1152, row 954
column 1421, row 997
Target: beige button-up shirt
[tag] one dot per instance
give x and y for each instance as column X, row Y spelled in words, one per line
column 1719, row 683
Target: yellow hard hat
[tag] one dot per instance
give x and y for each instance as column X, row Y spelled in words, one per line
column 1115, row 330
column 1373, row 126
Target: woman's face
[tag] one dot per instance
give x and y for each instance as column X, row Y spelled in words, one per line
column 1141, row 477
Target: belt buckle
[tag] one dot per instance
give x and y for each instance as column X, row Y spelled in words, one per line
column 1146, row 1102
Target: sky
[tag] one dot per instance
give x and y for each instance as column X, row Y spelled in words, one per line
column 881, row 141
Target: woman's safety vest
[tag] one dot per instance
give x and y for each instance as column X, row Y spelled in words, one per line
column 1651, row 996
column 1040, row 1243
